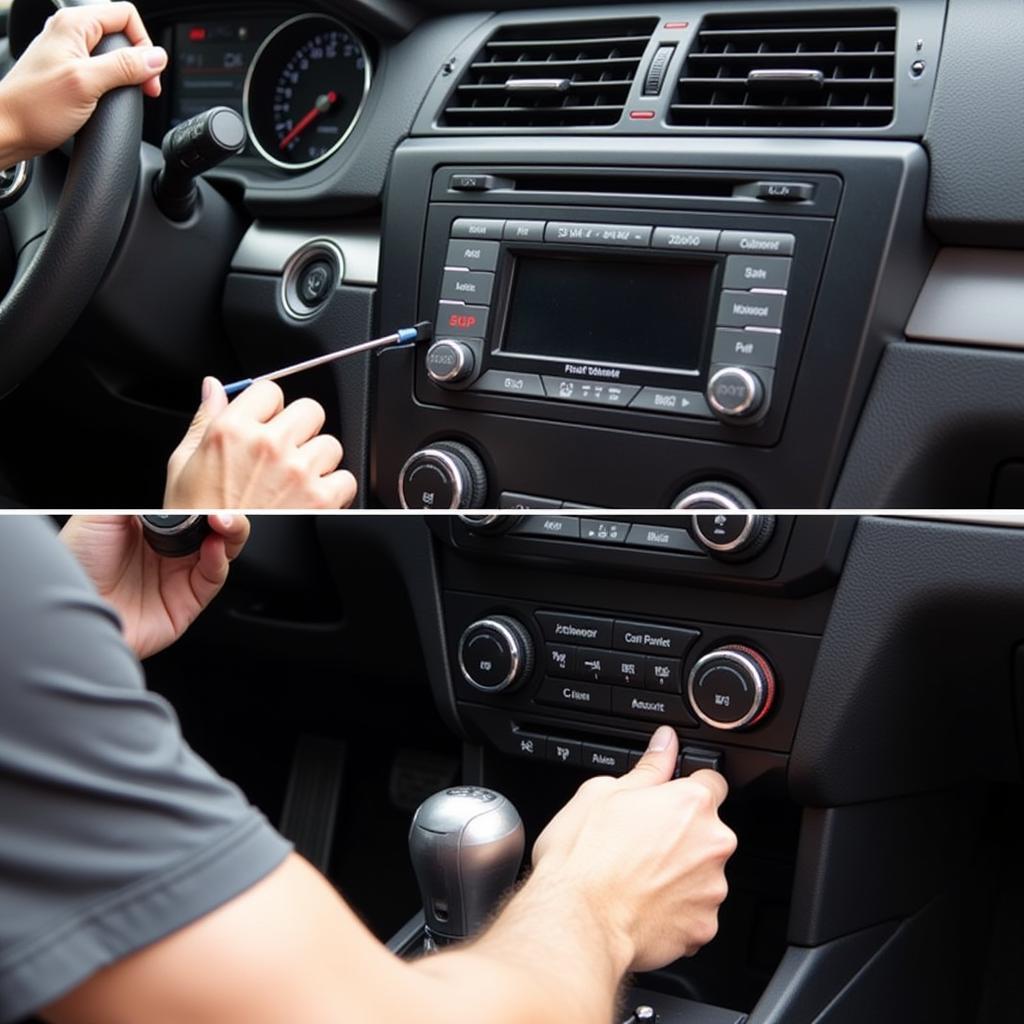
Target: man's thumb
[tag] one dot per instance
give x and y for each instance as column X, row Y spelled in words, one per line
column 214, row 402
column 658, row 763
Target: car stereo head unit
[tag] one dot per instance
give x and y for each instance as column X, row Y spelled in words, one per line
column 680, row 317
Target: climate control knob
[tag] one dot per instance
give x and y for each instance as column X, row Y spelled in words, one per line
column 450, row 361
column 445, row 475
column 731, row 687
column 735, row 394
column 724, row 522
column 489, row 522
column 496, row 654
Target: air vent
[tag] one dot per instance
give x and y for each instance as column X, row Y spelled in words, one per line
column 558, row 75
column 816, row 70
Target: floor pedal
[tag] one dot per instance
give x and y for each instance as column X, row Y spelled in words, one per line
column 314, row 793
column 417, row 774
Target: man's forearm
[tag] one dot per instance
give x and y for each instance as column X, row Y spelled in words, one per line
column 547, row 959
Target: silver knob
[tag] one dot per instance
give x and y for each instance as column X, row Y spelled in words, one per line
column 724, row 523
column 735, row 393
column 495, row 654
column 449, row 361
column 466, row 845
column 445, row 475
column 731, row 687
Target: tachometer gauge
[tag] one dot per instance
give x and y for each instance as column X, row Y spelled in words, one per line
column 304, row 91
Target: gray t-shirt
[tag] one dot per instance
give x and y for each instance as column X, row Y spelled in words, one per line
column 113, row 833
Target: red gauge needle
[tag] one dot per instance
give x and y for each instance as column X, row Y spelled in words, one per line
column 322, row 105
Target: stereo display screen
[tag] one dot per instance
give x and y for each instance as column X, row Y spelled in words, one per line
column 631, row 313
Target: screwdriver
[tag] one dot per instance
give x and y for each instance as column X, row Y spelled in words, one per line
column 407, row 335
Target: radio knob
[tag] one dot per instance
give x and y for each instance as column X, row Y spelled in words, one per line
column 450, row 361
column 496, row 654
column 735, row 393
column 730, row 530
column 446, row 475
column 732, row 687
column 489, row 522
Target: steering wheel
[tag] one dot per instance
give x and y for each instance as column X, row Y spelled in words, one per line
column 61, row 265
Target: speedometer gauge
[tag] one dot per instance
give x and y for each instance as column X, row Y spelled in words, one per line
column 305, row 90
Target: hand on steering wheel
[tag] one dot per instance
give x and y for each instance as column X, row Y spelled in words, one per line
column 55, row 86
column 61, row 260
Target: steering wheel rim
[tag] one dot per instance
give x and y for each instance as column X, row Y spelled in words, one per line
column 54, row 284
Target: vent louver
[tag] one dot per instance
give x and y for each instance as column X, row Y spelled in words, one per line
column 564, row 74
column 815, row 70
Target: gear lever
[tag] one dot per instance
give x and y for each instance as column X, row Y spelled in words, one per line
column 466, row 845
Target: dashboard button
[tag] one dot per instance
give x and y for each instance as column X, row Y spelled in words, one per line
column 578, row 695
column 525, row 230
column 764, row 243
column 595, row 664
column 662, row 708
column 530, row 745
column 745, row 348
column 750, row 309
column 602, row 531
column 569, row 389
column 667, row 538
column 564, row 751
column 471, row 182
column 501, row 382
column 664, row 675
column 670, row 641
column 694, row 759
column 560, row 660
column 628, row 669
column 549, row 526
column 461, row 320
column 315, row 283
column 628, row 235
column 679, row 403
column 575, row 629
column 784, row 191
column 467, row 286
column 738, row 393
column 477, row 227
column 609, row 760
column 757, row 272
column 523, row 502
column 695, row 239
column 472, row 255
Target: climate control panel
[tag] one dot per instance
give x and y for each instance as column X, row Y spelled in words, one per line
column 524, row 672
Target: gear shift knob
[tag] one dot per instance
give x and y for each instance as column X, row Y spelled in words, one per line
column 466, row 845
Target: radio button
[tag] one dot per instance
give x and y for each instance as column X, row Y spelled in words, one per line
column 745, row 348
column 630, row 235
column 449, row 361
column 550, row 526
column 603, row 531
column 590, row 392
column 663, row 708
column 693, row 239
column 750, row 309
column 476, row 227
column 670, row 641
column 524, row 230
column 679, row 403
column 463, row 320
column 467, row 286
column 764, row 243
column 757, row 272
column 581, row 696
column 472, row 255
column 500, row 382
column 575, row 629
column 665, row 537
column 664, row 675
